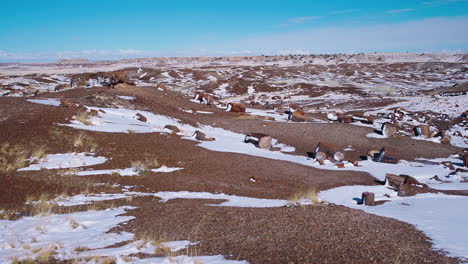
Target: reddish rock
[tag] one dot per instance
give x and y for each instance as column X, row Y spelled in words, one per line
column 389, row 129
column 422, row 130
column 298, row 116
column 262, row 141
column 321, row 156
column 174, row 129
column 66, row 103
column 340, row 165
column 235, row 107
column 367, row 198
column 141, row 117
column 202, row 136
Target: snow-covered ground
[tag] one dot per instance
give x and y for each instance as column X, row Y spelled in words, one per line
column 84, row 237
column 438, row 215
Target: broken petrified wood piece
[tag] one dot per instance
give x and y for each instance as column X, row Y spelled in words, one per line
column 367, row 198
column 141, row 117
column 389, row 129
column 235, row 107
column 260, row 140
column 383, row 157
column 422, row 130
column 66, row 103
column 202, row 136
column 330, row 151
column 399, row 180
column 296, row 113
column 174, row 129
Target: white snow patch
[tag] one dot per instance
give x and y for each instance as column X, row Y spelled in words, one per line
column 65, row 232
column 46, row 101
column 67, row 160
column 126, row 97
column 438, row 215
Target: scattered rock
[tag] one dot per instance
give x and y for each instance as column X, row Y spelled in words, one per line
column 383, row 157
column 296, row 113
column 389, row 129
column 202, row 136
column 174, row 129
column 340, row 165
column 61, row 87
column 141, row 117
column 422, row 130
column 235, row 107
column 66, row 103
column 260, row 140
column 332, row 116
column 367, row 198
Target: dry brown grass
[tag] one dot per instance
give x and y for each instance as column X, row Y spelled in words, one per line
column 39, row 152
column 83, row 117
column 13, row 157
column 81, row 249
column 141, row 167
column 85, row 142
column 309, row 194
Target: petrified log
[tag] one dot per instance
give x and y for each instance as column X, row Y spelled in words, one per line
column 389, row 129
column 296, row 113
column 367, row 198
column 297, row 116
column 66, row 103
column 345, row 119
column 329, row 151
column 202, row 136
column 235, row 107
column 381, row 156
column 141, row 117
column 173, row 128
column 422, row 130
column 260, row 140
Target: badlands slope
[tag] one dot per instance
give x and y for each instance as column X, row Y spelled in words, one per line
column 116, row 162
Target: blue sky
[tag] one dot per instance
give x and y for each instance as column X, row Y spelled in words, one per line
column 48, row 30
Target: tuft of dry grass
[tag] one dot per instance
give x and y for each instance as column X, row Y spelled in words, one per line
column 141, row 167
column 85, row 142
column 16, row 260
column 81, row 249
column 304, row 196
column 13, row 157
column 83, row 117
column 39, row 152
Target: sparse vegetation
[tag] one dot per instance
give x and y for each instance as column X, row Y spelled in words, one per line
column 309, row 195
column 13, row 157
column 85, row 142
column 142, row 167
column 39, row 152
column 83, row 117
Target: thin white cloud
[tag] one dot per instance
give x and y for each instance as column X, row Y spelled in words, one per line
column 300, row 20
column 427, row 35
column 88, row 54
column 443, row 2
column 404, row 10
column 424, row 35
column 343, row 11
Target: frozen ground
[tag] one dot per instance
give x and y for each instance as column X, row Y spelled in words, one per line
column 359, row 86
